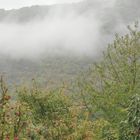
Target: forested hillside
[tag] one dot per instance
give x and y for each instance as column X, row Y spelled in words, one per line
column 105, row 105
column 70, row 71
column 50, row 72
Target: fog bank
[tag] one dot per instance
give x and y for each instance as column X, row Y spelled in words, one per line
column 81, row 29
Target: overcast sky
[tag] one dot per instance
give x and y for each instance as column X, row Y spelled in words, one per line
column 10, row 4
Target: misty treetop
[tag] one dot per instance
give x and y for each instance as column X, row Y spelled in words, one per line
column 56, row 84
column 103, row 105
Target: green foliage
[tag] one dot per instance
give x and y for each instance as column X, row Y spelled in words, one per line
column 130, row 128
column 14, row 116
column 57, row 116
column 108, row 107
column 109, row 85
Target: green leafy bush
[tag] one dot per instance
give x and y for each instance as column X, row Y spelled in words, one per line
column 110, row 83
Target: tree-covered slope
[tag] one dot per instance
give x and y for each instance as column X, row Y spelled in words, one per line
column 105, row 105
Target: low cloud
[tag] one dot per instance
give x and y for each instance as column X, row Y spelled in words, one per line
column 73, row 33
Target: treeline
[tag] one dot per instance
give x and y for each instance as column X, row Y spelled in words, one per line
column 105, row 104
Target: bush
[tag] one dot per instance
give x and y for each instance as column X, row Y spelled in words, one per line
column 108, row 86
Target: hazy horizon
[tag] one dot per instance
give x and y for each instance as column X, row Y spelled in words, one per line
column 16, row 4
column 81, row 29
column 78, row 33
column 62, row 30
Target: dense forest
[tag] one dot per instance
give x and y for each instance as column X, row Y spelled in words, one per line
column 103, row 104
column 70, row 71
